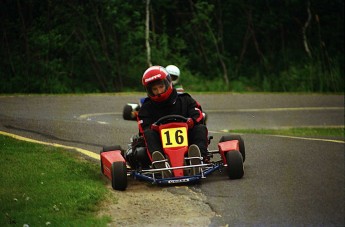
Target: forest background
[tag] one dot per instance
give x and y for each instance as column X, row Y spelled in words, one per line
column 78, row 46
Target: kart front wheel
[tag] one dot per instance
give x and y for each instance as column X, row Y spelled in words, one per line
column 235, row 164
column 119, row 176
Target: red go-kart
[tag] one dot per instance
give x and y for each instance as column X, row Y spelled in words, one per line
column 118, row 165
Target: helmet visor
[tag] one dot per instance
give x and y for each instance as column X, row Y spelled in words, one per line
column 157, row 87
column 173, row 77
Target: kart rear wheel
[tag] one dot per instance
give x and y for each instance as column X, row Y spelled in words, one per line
column 119, row 176
column 235, row 164
column 240, row 140
column 127, row 112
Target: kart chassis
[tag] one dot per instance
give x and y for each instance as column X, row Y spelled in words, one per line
column 231, row 149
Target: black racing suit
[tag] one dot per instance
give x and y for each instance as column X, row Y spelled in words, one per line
column 177, row 104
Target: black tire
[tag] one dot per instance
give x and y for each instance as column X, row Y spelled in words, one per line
column 235, row 164
column 127, row 112
column 119, row 176
column 240, row 140
column 111, row 148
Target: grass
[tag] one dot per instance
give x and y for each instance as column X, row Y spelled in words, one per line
column 42, row 185
column 317, row 132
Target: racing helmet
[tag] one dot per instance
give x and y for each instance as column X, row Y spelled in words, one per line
column 174, row 72
column 157, row 75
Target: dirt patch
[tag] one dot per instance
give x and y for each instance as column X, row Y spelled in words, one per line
column 143, row 204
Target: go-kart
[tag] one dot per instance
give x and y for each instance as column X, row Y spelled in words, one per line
column 118, row 165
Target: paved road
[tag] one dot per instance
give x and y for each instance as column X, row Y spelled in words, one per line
column 287, row 181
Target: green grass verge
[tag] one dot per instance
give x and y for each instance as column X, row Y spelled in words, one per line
column 329, row 132
column 43, row 185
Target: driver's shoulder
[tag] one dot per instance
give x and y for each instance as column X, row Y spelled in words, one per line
column 183, row 95
column 144, row 100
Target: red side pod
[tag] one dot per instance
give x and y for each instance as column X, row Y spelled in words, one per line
column 232, row 145
column 107, row 159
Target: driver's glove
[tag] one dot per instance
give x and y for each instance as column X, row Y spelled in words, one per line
column 154, row 127
column 190, row 123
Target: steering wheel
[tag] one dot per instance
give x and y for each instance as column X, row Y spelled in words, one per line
column 170, row 118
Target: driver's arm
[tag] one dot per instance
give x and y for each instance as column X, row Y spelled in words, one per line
column 144, row 119
column 194, row 111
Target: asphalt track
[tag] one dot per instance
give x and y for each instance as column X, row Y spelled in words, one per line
column 288, row 181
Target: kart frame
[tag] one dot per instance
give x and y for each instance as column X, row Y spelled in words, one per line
column 117, row 169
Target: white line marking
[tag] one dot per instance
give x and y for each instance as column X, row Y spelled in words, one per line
column 314, row 139
column 291, row 137
column 275, row 109
column 86, row 116
column 102, row 122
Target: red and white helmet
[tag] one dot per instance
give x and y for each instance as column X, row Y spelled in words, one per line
column 157, row 75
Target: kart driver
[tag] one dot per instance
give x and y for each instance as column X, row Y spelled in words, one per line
column 174, row 72
column 164, row 100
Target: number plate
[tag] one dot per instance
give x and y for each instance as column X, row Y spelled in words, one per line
column 174, row 137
